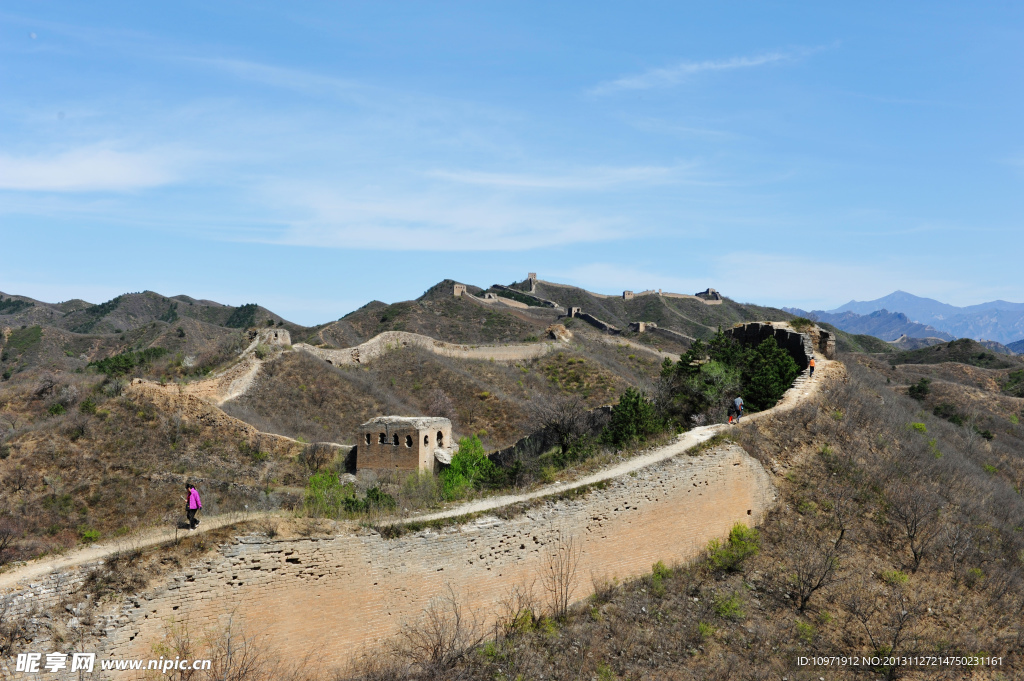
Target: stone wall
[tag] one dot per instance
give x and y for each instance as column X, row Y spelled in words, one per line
column 541, row 441
column 595, row 322
column 798, row 345
column 390, row 340
column 670, row 334
column 340, row 595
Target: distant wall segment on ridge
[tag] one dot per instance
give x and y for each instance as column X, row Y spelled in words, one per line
column 391, row 340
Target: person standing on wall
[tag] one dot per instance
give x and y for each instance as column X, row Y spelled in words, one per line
column 194, row 504
column 812, row 366
column 738, row 404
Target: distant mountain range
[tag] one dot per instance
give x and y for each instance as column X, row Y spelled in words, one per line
column 902, row 313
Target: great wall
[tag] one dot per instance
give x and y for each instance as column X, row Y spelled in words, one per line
column 342, row 595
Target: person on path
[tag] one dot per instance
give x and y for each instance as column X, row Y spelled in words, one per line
column 812, row 367
column 194, row 504
column 738, row 404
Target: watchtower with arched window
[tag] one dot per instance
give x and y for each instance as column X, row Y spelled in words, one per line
column 404, row 443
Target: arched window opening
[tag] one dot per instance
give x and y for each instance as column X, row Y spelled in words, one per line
column 367, row 438
column 426, row 440
column 408, row 440
column 383, row 439
column 440, row 439
column 394, row 439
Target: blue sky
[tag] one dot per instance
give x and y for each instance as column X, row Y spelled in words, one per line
column 314, row 156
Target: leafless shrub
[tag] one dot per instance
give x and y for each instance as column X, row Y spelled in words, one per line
column 316, row 456
column 558, row 573
column 444, row 635
column 234, row 654
column 47, row 384
column 10, row 531
column 440, row 404
column 915, row 513
column 517, row 610
column 814, row 564
column 114, row 387
column 567, row 418
column 67, row 396
column 887, row 618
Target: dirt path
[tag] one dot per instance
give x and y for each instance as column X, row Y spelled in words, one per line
column 802, row 389
column 95, row 552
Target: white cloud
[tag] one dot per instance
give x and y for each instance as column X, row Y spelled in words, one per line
column 412, row 221
column 673, row 75
column 93, row 168
column 592, row 178
column 278, row 76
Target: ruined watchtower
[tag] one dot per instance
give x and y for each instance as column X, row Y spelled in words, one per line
column 458, row 290
column 404, row 443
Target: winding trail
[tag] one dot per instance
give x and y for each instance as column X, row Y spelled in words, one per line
column 802, row 389
column 96, row 552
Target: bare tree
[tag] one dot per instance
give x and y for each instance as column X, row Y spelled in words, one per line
column 957, row 540
column 445, row 634
column 568, row 419
column 915, row 512
column 47, row 384
column 10, row 530
column 319, row 392
column 517, row 610
column 558, row 573
column 815, row 565
column 440, row 404
column 316, row 456
column 888, row 619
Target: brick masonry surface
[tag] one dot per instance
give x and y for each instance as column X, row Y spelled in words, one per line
column 344, row 595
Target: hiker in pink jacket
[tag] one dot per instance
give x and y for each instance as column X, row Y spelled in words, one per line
column 194, row 504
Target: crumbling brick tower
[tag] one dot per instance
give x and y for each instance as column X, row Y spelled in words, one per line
column 404, row 443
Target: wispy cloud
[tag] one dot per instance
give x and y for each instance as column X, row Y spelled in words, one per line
column 93, row 168
column 673, row 75
column 590, row 178
column 278, row 76
column 413, row 221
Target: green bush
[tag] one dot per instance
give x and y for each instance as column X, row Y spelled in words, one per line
column 124, row 363
column 920, row 390
column 633, row 420
column 729, row 607
column 376, row 498
column 88, row 406
column 743, row 542
column 770, row 373
column 56, row 409
column 22, row 339
column 470, row 467
column 243, row 317
column 12, row 306
column 895, row 577
column 325, row 496
column 948, row 411
column 89, row 535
